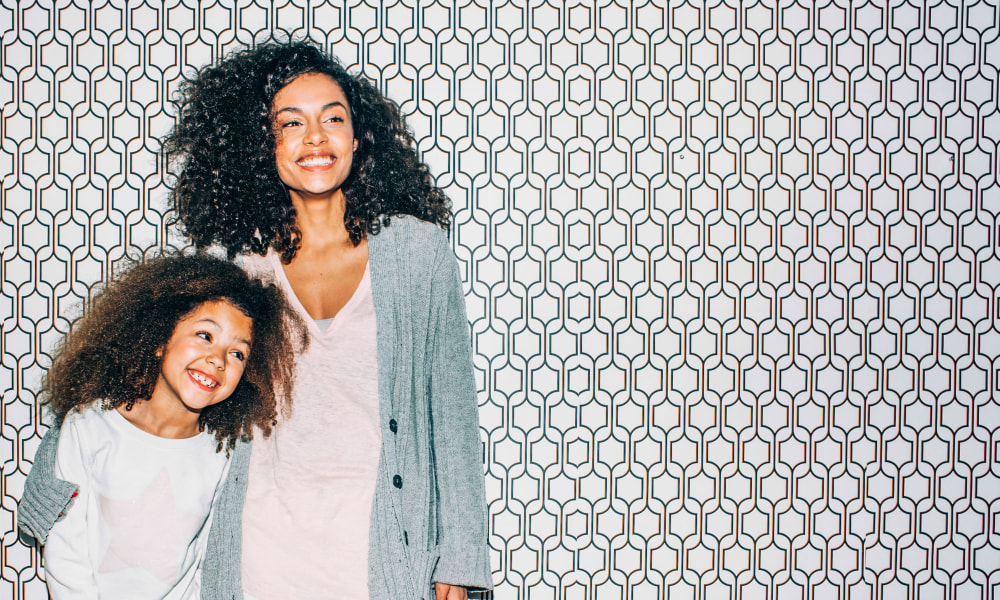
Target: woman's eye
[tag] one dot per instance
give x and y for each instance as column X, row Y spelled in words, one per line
column 204, row 335
column 336, row 119
column 289, row 124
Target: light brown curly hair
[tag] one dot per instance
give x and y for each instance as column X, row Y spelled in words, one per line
column 110, row 354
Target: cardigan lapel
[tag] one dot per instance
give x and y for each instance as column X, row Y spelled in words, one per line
column 382, row 266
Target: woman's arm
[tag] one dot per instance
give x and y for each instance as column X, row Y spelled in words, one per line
column 461, row 515
column 220, row 571
column 45, row 497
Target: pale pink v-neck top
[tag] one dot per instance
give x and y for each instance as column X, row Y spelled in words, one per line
column 316, row 473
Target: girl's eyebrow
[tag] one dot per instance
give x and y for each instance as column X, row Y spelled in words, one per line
column 296, row 109
column 217, row 326
column 209, row 320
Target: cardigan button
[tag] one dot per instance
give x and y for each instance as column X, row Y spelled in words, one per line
column 397, row 481
column 392, row 425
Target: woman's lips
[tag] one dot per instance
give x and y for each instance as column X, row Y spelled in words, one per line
column 316, row 162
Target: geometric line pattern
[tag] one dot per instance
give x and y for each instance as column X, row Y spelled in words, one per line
column 732, row 267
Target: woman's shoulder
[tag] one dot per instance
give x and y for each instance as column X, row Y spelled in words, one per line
column 410, row 233
column 257, row 265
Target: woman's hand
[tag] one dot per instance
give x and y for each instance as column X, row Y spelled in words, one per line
column 443, row 591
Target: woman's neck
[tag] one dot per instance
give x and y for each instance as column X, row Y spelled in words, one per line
column 321, row 221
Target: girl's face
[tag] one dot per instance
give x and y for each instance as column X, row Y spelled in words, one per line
column 314, row 136
column 204, row 359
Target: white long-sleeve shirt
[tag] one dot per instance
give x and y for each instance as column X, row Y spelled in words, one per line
column 139, row 524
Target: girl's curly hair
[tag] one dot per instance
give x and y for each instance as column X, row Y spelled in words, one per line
column 228, row 191
column 110, row 354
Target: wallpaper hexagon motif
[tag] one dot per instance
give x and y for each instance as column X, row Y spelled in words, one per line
column 732, row 267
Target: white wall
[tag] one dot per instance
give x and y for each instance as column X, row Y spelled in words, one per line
column 733, row 270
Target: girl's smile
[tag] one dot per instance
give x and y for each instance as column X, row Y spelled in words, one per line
column 203, row 379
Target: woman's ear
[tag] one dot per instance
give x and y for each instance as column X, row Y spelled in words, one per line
column 355, row 145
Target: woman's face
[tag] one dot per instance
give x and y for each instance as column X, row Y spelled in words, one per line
column 314, row 136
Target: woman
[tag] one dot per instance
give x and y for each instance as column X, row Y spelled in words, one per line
column 371, row 486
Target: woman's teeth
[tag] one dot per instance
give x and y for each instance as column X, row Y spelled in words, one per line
column 316, row 161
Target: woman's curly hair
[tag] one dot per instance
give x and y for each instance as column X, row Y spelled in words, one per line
column 111, row 353
column 222, row 150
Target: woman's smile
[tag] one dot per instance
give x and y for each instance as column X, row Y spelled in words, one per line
column 316, row 162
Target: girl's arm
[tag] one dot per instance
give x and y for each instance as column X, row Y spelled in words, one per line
column 464, row 556
column 69, row 570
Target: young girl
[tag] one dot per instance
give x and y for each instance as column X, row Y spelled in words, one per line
column 175, row 361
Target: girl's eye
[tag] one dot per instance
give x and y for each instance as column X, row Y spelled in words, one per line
column 239, row 355
column 204, row 335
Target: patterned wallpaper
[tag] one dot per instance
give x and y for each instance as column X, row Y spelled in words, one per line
column 732, row 267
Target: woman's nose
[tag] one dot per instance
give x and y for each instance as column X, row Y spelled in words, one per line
column 315, row 134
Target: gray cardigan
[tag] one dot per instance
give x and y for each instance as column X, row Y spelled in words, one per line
column 429, row 512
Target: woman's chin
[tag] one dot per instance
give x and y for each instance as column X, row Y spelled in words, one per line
column 317, row 193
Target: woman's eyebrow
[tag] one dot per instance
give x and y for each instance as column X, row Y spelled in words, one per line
column 296, row 109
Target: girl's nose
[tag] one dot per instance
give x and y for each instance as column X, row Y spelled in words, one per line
column 217, row 360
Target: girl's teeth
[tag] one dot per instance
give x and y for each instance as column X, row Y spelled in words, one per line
column 203, row 380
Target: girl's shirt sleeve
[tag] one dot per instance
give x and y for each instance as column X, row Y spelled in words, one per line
column 69, row 569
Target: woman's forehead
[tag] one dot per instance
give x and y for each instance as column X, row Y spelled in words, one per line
column 309, row 89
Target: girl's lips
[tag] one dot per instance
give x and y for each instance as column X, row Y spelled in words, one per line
column 202, row 380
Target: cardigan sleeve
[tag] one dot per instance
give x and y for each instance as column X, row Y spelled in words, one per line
column 221, row 577
column 45, row 497
column 463, row 553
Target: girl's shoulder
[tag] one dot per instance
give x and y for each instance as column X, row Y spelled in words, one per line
column 98, row 430
column 86, row 416
column 85, row 430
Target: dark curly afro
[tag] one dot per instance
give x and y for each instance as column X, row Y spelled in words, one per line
column 110, row 354
column 228, row 191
